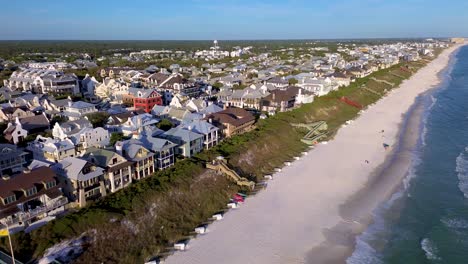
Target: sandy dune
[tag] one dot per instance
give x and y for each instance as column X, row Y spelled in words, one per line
column 284, row 222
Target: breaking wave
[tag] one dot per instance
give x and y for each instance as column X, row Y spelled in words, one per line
column 430, row 249
column 462, row 170
column 455, row 223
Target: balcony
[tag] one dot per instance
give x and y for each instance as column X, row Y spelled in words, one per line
column 26, row 216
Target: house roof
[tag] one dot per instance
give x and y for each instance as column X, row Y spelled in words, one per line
column 103, row 158
column 34, row 122
column 156, row 144
column 199, row 126
column 183, row 134
column 81, row 104
column 210, row 109
column 131, row 147
column 283, row 95
column 25, row 181
column 141, row 92
column 7, row 151
column 73, row 169
column 234, row 116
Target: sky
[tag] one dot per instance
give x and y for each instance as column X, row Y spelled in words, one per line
column 231, row 19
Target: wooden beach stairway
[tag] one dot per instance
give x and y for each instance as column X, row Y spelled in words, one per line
column 220, row 165
column 370, row 90
column 382, row 81
column 397, row 75
column 316, row 131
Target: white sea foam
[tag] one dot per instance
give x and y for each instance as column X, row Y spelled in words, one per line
column 462, row 170
column 364, row 252
column 455, row 223
column 430, row 249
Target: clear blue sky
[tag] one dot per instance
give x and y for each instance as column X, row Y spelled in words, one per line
column 231, row 19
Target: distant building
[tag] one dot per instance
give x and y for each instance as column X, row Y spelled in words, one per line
column 54, row 150
column 457, row 40
column 43, row 81
column 77, row 110
column 144, row 99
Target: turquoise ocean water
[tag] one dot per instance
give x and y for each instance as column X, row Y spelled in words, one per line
column 427, row 220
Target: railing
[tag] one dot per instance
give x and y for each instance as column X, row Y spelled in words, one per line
column 26, row 216
column 222, row 167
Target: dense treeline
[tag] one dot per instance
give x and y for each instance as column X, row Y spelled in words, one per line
column 11, row 48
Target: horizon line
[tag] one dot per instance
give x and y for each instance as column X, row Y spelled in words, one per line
column 272, row 39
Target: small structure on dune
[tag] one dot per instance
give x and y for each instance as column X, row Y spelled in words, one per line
column 316, row 131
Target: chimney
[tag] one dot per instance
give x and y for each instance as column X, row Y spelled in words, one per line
column 189, row 128
column 210, row 120
column 118, row 147
column 70, row 104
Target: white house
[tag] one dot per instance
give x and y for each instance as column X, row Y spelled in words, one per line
column 77, row 110
column 15, row 132
column 44, row 148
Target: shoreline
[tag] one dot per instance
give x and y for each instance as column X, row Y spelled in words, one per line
column 400, row 163
column 303, row 207
column 384, row 181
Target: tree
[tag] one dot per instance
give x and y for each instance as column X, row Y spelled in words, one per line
column 98, row 119
column 58, row 119
column 116, row 136
column 165, row 124
column 292, row 81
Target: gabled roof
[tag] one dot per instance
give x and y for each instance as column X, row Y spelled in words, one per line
column 26, row 181
column 183, row 134
column 141, row 92
column 81, row 105
column 156, row 144
column 131, row 147
column 102, row 157
column 199, row 126
column 73, row 169
column 210, row 109
column 232, row 115
column 34, row 122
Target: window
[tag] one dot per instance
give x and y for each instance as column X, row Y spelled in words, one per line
column 50, row 184
column 9, row 199
column 31, row 191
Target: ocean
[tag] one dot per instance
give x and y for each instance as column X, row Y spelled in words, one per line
column 427, row 220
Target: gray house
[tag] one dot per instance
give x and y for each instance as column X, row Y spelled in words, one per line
column 12, row 160
column 210, row 132
column 163, row 149
column 188, row 142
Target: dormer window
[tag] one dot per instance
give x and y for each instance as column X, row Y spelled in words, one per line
column 31, row 192
column 50, row 184
column 9, row 199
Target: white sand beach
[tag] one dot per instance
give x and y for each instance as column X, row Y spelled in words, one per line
column 284, row 222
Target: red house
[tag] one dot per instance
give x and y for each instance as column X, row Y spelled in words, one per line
column 145, row 98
